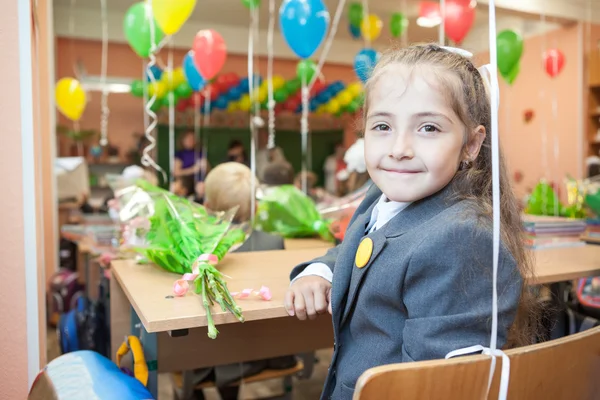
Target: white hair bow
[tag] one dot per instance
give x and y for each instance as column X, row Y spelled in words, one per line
column 485, row 70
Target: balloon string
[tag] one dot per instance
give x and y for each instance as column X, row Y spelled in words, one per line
column 441, row 33
column 405, row 33
column 544, row 129
column 147, row 160
column 304, row 134
column 206, row 124
column 103, row 71
column 171, row 99
column 145, row 94
column 327, row 46
column 72, row 35
column 368, row 23
column 271, row 101
column 255, row 107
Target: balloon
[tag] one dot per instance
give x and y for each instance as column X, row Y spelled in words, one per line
column 292, row 105
column 184, row 90
column 70, row 98
column 280, row 95
column 324, row 97
column 510, row 49
column 554, row 61
column 364, row 62
column 344, row 98
column 234, row 93
column 512, row 75
column 193, row 77
column 244, row 85
column 355, row 14
column 355, row 89
column 353, row 107
column 262, row 94
column 137, row 88
column 182, row 105
column 174, row 78
column 354, row 31
column 171, row 99
column 251, row 4
column 333, row 106
column 314, row 104
column 197, row 99
column 171, row 15
column 233, row 106
column 371, row 27
column 305, row 71
column 210, row 53
column 277, row 82
column 156, row 72
column 158, row 88
column 459, row 18
column 136, row 26
column 221, row 103
column 304, row 24
column 245, row 103
column 293, row 85
column 398, row 24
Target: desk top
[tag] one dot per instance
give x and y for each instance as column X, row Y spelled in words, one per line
column 149, row 288
column 296, row 244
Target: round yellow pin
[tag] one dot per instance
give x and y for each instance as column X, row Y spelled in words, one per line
column 363, row 254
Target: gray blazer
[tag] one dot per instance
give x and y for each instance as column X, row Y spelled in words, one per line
column 425, row 291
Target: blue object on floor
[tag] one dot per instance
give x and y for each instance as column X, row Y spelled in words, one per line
column 88, row 375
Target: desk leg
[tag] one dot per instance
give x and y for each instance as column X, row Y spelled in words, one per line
column 150, row 346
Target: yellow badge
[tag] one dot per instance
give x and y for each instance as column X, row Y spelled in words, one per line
column 363, row 254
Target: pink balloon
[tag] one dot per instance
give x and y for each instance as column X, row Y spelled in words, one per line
column 554, row 61
column 210, row 53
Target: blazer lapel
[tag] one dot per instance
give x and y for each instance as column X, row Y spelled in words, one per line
column 357, row 274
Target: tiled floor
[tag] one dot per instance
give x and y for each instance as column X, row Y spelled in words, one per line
column 303, row 389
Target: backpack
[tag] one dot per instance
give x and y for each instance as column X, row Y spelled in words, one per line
column 63, row 293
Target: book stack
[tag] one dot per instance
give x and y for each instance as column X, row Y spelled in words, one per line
column 553, row 232
column 592, row 233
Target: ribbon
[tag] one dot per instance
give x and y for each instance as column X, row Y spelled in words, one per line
column 103, row 71
column 181, row 286
column 271, row 100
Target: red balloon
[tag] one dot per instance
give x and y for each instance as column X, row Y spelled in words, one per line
column 182, row 105
column 554, row 62
column 278, row 108
column 459, row 18
column 292, row 104
column 197, row 99
column 317, row 88
column 210, row 53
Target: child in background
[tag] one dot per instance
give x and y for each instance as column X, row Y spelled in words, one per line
column 412, row 279
column 229, row 185
column 278, row 173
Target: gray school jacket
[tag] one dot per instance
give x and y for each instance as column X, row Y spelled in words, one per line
column 425, row 291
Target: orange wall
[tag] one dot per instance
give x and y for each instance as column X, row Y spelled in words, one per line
column 535, row 90
column 126, row 116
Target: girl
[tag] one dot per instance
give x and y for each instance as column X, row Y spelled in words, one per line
column 190, row 167
column 412, row 279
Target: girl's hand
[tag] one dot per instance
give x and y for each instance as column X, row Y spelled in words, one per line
column 308, row 297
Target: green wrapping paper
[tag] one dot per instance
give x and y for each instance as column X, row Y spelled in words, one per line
column 180, row 236
column 287, row 211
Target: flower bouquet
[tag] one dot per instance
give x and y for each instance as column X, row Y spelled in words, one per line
column 287, row 211
column 184, row 238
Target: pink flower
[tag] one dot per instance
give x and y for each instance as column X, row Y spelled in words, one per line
column 180, row 287
column 245, row 293
column 265, row 293
column 189, row 277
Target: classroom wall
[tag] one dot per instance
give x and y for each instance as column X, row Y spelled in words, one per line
column 126, row 116
column 523, row 143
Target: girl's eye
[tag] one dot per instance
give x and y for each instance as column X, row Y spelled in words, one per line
column 381, row 127
column 429, row 128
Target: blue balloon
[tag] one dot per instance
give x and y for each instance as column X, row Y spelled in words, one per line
column 314, row 104
column 339, row 86
column 354, row 31
column 234, row 93
column 156, row 71
column 304, row 24
column 196, row 81
column 244, row 85
column 364, row 62
column 221, row 103
column 324, row 96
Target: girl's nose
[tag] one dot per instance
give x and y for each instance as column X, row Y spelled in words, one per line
column 403, row 147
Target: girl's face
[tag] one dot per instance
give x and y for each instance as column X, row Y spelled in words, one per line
column 189, row 142
column 413, row 138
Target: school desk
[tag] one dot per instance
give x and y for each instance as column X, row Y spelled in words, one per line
column 173, row 329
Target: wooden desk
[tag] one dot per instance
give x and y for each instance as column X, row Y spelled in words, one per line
column 142, row 302
column 564, row 264
column 295, row 244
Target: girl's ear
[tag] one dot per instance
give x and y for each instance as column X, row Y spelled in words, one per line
column 474, row 144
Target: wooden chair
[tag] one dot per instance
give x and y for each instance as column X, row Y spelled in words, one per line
column 566, row 368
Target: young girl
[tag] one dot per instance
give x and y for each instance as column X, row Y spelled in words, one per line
column 412, row 279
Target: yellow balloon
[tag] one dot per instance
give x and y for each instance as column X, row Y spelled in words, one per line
column 172, row 79
column 263, row 93
column 344, row 98
column 159, row 89
column 278, row 82
column 70, row 98
column 233, row 106
column 321, row 109
column 245, row 103
column 170, row 15
column 371, row 27
column 178, row 76
column 355, row 89
column 333, row 106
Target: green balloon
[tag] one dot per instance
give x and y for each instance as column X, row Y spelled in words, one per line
column 512, row 75
column 510, row 49
column 170, row 99
column 136, row 26
column 353, row 107
column 157, row 105
column 137, row 88
column 305, row 70
column 251, row 4
column 184, row 90
column 293, row 85
column 280, row 95
column 355, row 14
column 398, row 24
